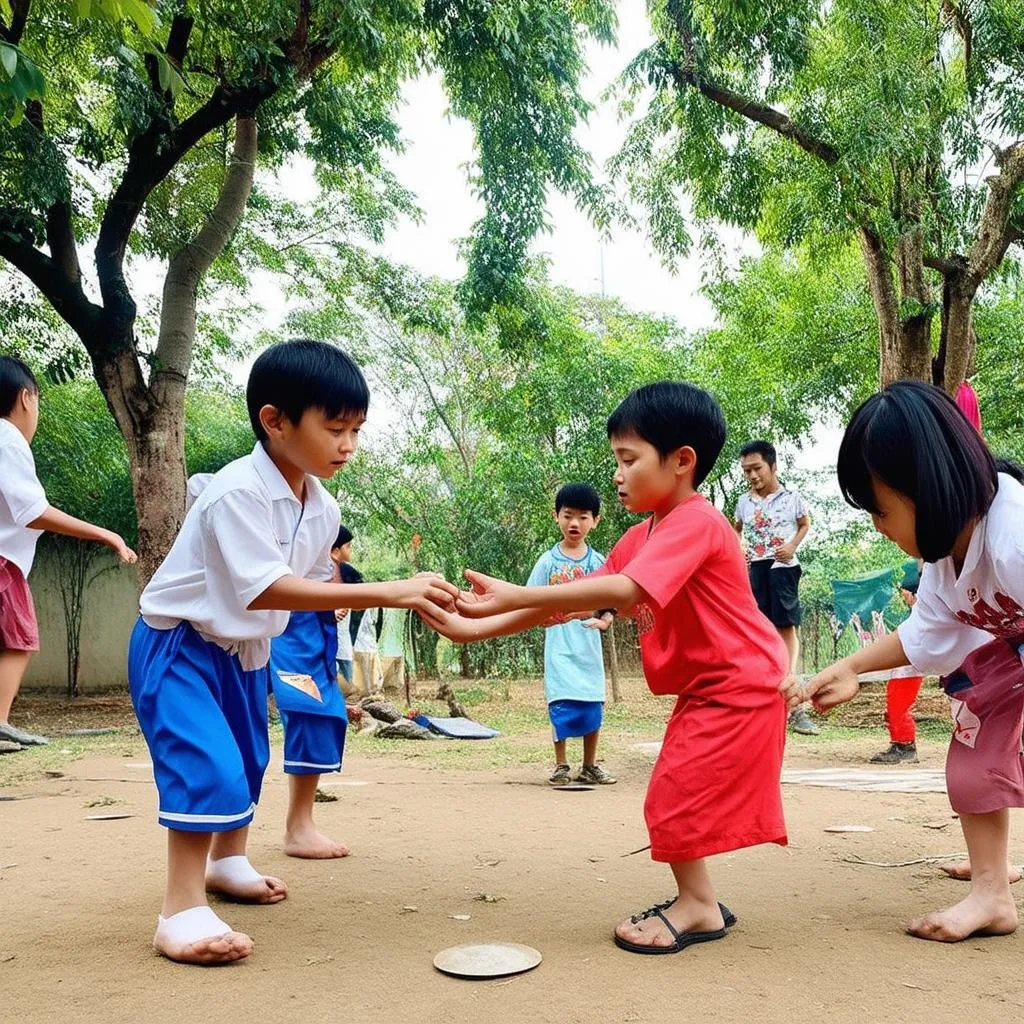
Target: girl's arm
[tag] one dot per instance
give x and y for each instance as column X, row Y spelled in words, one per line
column 838, row 683
column 60, row 522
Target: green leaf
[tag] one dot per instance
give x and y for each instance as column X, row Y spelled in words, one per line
column 8, row 59
column 163, row 71
column 82, row 8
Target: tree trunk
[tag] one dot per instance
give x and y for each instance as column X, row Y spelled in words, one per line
column 152, row 421
column 904, row 342
column 956, row 348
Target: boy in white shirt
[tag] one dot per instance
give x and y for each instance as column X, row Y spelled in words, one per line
column 198, row 657
column 24, row 514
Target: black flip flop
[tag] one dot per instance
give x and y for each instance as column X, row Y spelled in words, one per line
column 682, row 939
column 728, row 917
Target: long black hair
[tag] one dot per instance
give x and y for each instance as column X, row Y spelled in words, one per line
column 914, row 438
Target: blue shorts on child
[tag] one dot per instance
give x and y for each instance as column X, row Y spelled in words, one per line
column 309, row 700
column 571, row 718
column 205, row 722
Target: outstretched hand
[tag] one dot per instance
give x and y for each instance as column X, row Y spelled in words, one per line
column 489, row 596
column 832, row 686
column 455, row 627
column 601, row 622
column 425, row 593
column 123, row 552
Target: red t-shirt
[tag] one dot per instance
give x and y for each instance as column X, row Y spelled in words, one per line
column 704, row 636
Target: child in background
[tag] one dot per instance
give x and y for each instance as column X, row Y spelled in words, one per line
column 341, row 556
column 24, row 515
column 573, row 661
column 911, row 459
column 900, row 693
column 716, row 784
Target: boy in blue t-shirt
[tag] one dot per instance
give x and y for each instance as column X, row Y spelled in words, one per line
column 573, row 663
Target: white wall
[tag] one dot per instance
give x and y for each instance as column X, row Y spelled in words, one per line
column 110, row 607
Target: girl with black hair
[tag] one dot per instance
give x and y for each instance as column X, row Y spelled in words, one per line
column 911, row 459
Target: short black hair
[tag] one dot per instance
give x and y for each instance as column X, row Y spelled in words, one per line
column 343, row 538
column 297, row 375
column 672, row 414
column 578, row 496
column 914, row 438
column 763, row 448
column 15, row 377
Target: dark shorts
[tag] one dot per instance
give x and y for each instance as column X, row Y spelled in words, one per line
column 18, row 628
column 777, row 592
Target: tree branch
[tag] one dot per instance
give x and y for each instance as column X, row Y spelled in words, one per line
column 687, row 74
column 19, row 19
column 188, row 267
column 995, row 232
column 65, row 295
column 152, row 157
column 962, row 24
column 757, row 112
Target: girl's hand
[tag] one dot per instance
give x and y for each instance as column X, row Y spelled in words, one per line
column 125, row 553
column 832, row 686
column 489, row 596
column 601, row 622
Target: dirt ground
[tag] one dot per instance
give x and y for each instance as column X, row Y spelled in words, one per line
column 433, row 829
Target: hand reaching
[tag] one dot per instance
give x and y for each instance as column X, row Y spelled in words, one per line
column 123, row 552
column 832, row 686
column 489, row 596
column 601, row 622
column 425, row 593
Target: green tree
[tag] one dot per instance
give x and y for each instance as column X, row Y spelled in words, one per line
column 482, row 436
column 145, row 147
column 900, row 126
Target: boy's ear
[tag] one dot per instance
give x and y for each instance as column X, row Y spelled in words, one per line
column 597, row 519
column 271, row 419
column 684, row 460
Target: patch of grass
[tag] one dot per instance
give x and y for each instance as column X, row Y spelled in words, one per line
column 34, row 762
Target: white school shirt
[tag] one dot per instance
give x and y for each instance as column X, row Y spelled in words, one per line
column 22, row 498
column 955, row 615
column 245, row 530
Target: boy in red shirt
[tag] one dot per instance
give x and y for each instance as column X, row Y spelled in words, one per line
column 716, row 784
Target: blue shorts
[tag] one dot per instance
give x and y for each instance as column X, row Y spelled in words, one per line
column 313, row 712
column 205, row 722
column 571, row 718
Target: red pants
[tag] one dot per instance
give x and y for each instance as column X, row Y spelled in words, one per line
column 900, row 695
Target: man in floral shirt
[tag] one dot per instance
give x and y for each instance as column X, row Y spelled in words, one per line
column 772, row 522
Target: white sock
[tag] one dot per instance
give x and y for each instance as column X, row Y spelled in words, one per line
column 188, row 926
column 232, row 871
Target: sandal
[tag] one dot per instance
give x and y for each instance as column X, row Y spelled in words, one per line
column 682, row 939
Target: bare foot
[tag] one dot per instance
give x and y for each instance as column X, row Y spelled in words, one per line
column 961, row 870
column 685, row 917
column 307, row 842
column 257, row 889
column 198, row 936
column 976, row 915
